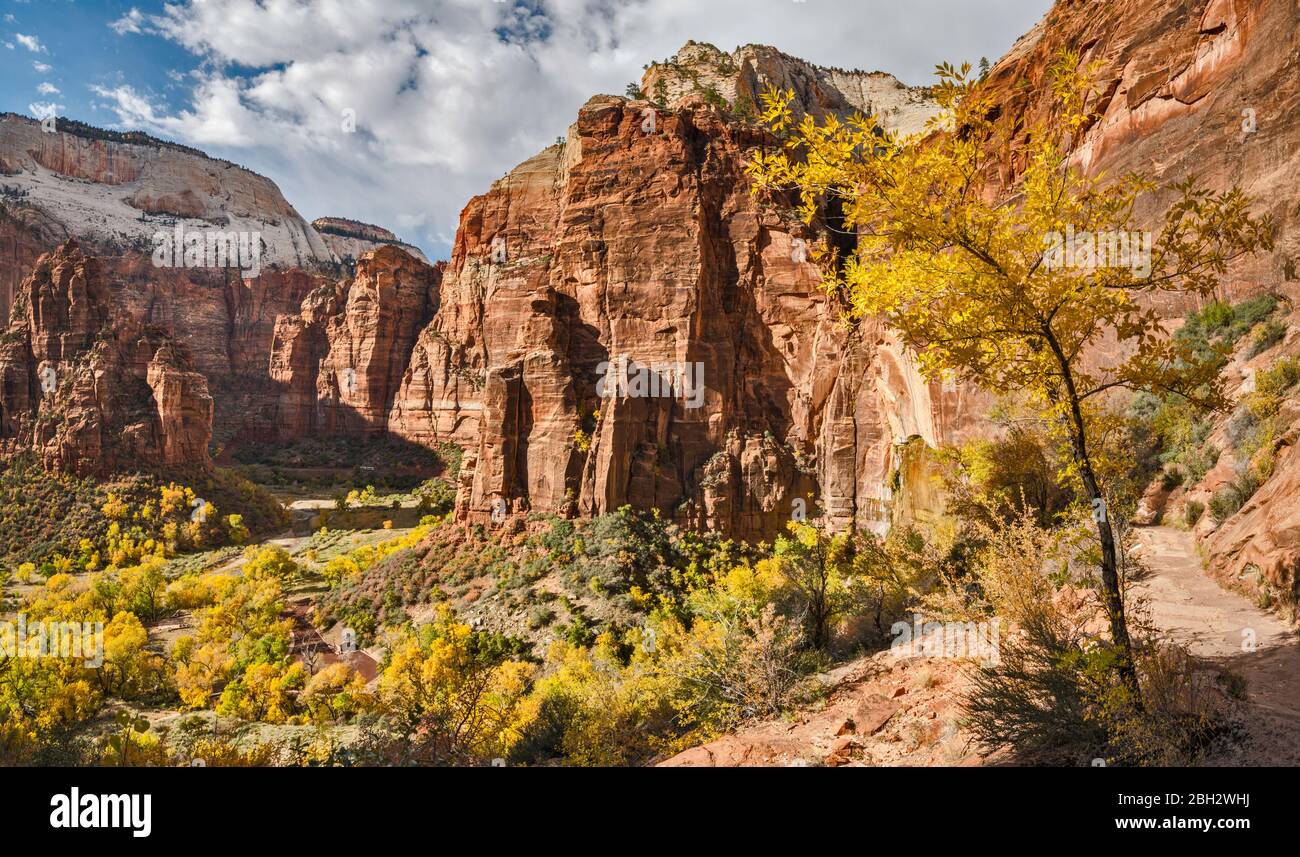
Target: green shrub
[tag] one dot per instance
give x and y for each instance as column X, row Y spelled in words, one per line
column 1219, row 324
column 1192, row 512
column 1228, row 500
column 1265, row 338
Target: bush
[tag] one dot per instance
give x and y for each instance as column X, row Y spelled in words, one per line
column 1037, row 700
column 1218, row 326
column 1008, row 473
column 1269, row 335
column 1192, row 512
column 1228, row 500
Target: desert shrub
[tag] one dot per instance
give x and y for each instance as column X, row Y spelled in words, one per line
column 1221, row 324
column 593, row 709
column 1053, row 698
column 1242, row 428
column 1188, row 709
column 749, row 664
column 1228, row 500
column 435, row 496
column 827, row 579
column 1272, row 385
column 540, row 616
column 1036, row 701
column 1192, row 511
column 1006, row 474
column 628, row 698
column 1268, row 335
column 1183, row 432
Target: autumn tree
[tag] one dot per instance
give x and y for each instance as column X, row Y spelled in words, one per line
column 456, row 694
column 978, row 278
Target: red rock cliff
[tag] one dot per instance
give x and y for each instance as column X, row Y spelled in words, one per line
column 647, row 245
column 89, row 389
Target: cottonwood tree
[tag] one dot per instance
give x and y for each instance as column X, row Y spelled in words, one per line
column 970, row 270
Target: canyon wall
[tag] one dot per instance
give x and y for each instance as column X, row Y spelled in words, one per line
column 90, row 389
column 637, row 239
column 1206, row 89
column 113, row 191
column 640, row 242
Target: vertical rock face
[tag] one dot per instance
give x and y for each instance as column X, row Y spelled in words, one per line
column 741, row 77
column 352, row 346
column 89, row 389
column 1205, row 88
column 641, row 243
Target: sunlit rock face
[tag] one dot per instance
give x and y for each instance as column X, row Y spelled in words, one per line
column 114, row 192
column 89, row 389
column 640, row 240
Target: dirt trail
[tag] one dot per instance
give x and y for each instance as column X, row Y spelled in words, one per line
column 1219, row 625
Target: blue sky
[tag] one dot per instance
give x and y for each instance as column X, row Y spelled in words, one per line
column 447, row 94
column 81, row 49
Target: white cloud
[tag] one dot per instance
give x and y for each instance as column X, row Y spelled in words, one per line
column 47, row 89
column 44, row 109
column 449, row 94
column 41, row 68
column 32, row 43
column 132, row 22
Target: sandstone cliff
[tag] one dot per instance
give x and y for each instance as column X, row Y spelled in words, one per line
column 645, row 243
column 639, row 239
column 114, row 191
column 92, row 390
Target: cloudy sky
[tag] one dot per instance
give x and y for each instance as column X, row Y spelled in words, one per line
column 447, row 95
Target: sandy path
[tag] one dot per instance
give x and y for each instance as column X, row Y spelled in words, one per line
column 1220, row 625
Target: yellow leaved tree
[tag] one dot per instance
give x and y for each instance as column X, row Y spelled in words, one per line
column 1014, row 285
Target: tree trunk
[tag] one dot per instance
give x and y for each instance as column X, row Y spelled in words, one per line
column 1111, row 595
